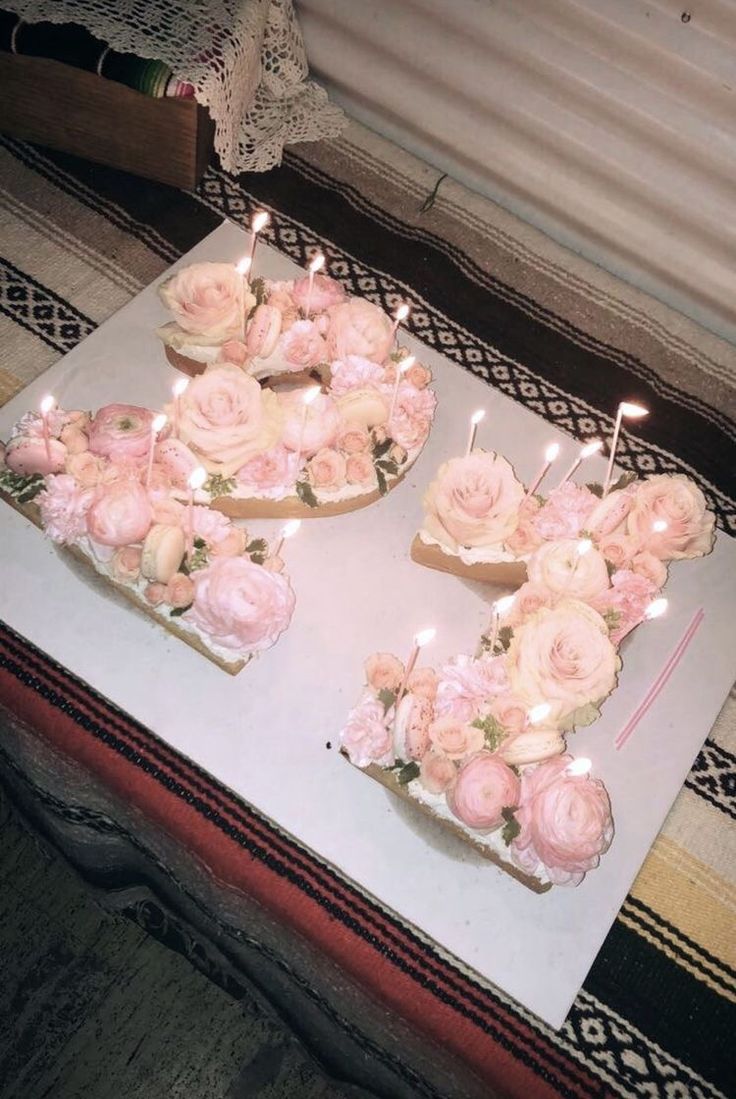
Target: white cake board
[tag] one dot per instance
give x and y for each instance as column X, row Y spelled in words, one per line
column 264, row 732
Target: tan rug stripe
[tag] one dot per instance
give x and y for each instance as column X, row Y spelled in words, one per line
column 707, row 833
column 25, row 356
column 716, row 886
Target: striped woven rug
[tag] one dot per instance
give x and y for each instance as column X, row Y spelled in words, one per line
column 656, row 1015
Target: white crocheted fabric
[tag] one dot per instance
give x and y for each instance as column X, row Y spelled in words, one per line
column 245, row 59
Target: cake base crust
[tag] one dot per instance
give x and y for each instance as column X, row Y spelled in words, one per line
column 291, row 507
column 512, row 573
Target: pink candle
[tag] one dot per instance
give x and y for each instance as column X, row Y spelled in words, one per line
column 633, row 412
column 157, row 425
column 550, row 456
column 420, row 640
column 287, row 531
column 586, row 452
column 399, row 316
column 259, row 222
column 316, row 265
column 401, row 369
column 475, row 419
column 47, row 404
column 178, row 389
column 197, row 478
column 243, row 268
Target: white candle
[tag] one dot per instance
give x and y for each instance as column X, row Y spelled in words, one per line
column 579, row 766
column 656, row 608
column 632, row 412
column 287, row 531
column 178, row 390
column 259, row 222
column 316, row 265
column 47, row 403
column 401, row 369
column 420, row 640
column 586, row 452
column 399, row 316
column 243, row 268
column 475, row 419
column 157, row 424
column 310, row 395
column 550, row 455
column 500, row 608
column 197, row 478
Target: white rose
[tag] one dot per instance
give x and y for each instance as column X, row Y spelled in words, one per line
column 679, row 503
column 206, row 298
column 474, row 501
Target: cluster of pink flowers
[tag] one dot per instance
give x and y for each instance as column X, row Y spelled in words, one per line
column 98, row 494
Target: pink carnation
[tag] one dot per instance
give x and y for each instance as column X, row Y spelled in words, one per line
column 565, row 511
column 464, row 684
column 629, row 596
column 367, row 736
column 354, row 373
column 240, row 605
column 303, row 346
column 64, row 505
column 271, row 470
column 210, row 525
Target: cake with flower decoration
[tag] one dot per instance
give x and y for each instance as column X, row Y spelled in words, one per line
column 95, row 487
column 481, row 743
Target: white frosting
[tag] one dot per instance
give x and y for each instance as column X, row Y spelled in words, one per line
column 475, row 555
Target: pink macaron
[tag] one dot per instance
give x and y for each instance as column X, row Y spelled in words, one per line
column 27, row 454
column 263, row 331
column 177, row 461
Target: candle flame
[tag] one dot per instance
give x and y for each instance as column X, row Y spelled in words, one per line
column 656, row 608
column 243, row 265
column 659, row 525
column 47, row 403
column 591, row 448
column 260, row 221
column 477, row 416
column 551, row 452
column 407, row 363
column 179, row 386
column 538, row 713
column 633, row 411
column 424, row 637
column 289, row 529
column 584, row 546
column 197, row 478
column 317, row 263
column 579, row 766
column 159, row 423
column 402, row 313
column 503, row 606
column 310, row 395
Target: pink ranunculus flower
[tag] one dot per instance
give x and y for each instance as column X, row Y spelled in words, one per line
column 326, row 292
column 233, row 351
column 367, row 736
column 27, row 454
column 326, row 470
column 565, row 511
column 384, row 671
column 240, row 605
column 565, row 572
column 120, row 515
column 268, row 471
column 121, row 432
column 675, row 500
column 565, row 822
column 125, row 564
column 317, row 431
column 64, row 505
column 562, row 656
column 206, row 299
column 609, row 514
column 360, row 470
column 226, row 419
column 510, row 712
column 353, row 440
column 473, row 501
column 649, row 566
column 357, row 327
column 465, row 684
column 528, row 599
column 354, row 372
column 437, row 773
column 303, row 346
column 455, row 738
column 629, row 596
column 484, row 787
column 85, row 468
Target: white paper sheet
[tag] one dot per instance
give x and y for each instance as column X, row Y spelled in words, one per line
column 264, row 732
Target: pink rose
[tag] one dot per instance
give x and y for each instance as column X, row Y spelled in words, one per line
column 227, row 419
column 154, row 594
column 74, row 439
column 528, row 599
column 678, row 502
column 212, row 526
column 206, row 299
column 561, row 569
column 326, row 470
column 618, row 548
column 317, row 431
column 85, row 468
column 474, row 501
column 64, row 506
column 233, row 351
column 268, row 471
column 167, row 512
column 465, row 683
column 562, row 656
column 27, row 454
column 649, row 566
column 367, row 736
column 359, row 470
column 510, row 712
column 326, row 292
column 384, row 671
column 436, row 773
column 302, row 346
column 120, row 515
column 565, row 822
column 418, row 376
column 609, row 514
column 454, row 738
column 121, row 432
column 525, row 539
column 359, row 328
column 240, row 605
column 232, row 545
column 125, row 565
column 485, row 786
column 176, row 460
column 355, row 373
column 629, row 596
column 353, row 440
column 565, row 512
column 179, row 591
column 423, row 683
column 411, row 727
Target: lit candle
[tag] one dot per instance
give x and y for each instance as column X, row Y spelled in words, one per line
column 500, row 608
column 243, row 268
column 550, row 455
column 287, row 531
column 178, row 389
column 420, row 640
column 586, row 452
column 47, row 403
column 632, row 412
column 259, row 222
column 538, row 713
column 584, row 546
column 157, row 424
column 401, row 369
column 475, row 419
column 310, row 395
column 579, row 766
column 316, row 265
column 656, row 608
column 197, row 478
column 399, row 316
column 659, row 525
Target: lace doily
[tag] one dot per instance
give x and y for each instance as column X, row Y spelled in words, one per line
column 245, row 59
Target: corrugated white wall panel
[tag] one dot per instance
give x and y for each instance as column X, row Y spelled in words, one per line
column 609, row 124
